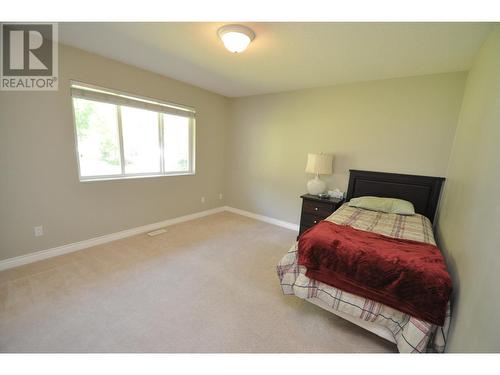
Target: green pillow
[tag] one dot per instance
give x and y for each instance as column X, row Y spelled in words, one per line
column 388, row 205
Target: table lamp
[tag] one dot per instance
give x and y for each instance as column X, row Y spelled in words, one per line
column 318, row 164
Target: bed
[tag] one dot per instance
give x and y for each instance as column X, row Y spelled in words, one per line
column 410, row 334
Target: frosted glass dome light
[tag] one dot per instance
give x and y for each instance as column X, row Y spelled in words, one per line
column 236, row 38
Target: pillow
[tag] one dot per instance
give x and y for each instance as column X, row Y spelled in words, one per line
column 388, row 205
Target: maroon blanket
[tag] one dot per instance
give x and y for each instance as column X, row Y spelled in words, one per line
column 409, row 276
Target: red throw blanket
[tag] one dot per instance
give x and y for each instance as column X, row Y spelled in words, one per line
column 409, row 276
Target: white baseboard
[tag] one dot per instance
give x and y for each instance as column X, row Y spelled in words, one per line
column 69, row 248
column 267, row 219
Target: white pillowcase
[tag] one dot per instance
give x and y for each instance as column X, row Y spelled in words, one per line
column 388, row 205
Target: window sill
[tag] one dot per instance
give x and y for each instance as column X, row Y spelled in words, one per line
column 132, row 177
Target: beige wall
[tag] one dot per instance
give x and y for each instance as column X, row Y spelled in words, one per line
column 39, row 181
column 400, row 125
column 468, row 224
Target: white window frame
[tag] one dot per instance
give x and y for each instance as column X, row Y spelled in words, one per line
column 120, row 99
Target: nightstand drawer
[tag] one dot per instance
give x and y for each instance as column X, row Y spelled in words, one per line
column 310, row 220
column 319, row 209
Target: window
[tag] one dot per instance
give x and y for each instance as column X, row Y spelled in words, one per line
column 122, row 136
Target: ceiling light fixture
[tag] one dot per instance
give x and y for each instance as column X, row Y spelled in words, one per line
column 236, row 38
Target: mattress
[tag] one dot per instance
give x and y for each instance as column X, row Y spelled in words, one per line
column 410, row 334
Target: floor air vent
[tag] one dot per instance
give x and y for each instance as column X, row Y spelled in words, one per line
column 156, row 232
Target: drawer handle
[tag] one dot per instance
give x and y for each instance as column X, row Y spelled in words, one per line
column 315, row 221
column 316, row 208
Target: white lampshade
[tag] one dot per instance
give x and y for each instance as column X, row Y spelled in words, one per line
column 319, row 163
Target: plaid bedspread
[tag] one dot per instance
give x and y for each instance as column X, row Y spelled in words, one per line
column 411, row 335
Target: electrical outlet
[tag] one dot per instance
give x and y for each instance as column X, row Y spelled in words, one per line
column 220, row 196
column 202, row 199
column 38, row 231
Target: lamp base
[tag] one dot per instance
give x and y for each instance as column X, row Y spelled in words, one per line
column 316, row 186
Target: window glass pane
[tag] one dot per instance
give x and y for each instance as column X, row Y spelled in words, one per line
column 176, row 143
column 98, row 140
column 141, row 140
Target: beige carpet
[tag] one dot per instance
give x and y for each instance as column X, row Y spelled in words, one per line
column 208, row 285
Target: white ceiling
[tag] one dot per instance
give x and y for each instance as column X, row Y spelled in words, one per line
column 283, row 56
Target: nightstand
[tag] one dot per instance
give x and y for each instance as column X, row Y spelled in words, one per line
column 315, row 209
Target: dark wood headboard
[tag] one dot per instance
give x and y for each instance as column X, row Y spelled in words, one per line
column 422, row 191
